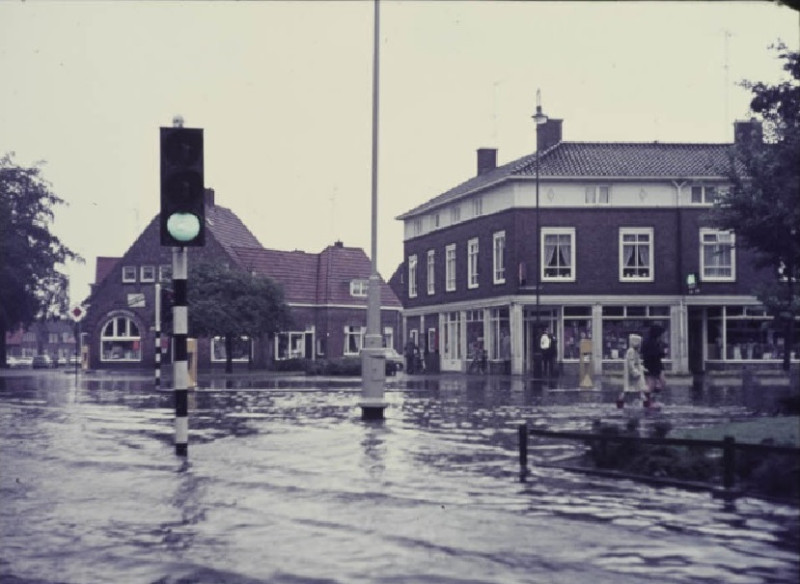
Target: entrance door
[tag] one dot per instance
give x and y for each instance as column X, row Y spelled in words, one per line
column 695, row 340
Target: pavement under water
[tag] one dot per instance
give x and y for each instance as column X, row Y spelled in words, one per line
column 285, row 483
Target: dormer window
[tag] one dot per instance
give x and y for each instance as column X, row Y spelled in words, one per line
column 477, row 206
column 597, row 195
column 359, row 287
column 455, row 214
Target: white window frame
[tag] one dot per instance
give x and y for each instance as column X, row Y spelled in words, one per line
column 718, row 234
column 499, row 257
column 217, row 350
column 295, row 345
column 450, row 267
column 416, row 225
column 412, row 276
column 432, row 346
column 147, row 274
column 122, row 332
column 455, row 213
column 128, row 274
column 473, row 251
column 435, row 221
column 707, row 194
column 357, row 333
column 558, row 231
column 597, row 195
column 359, row 287
column 477, row 206
column 164, row 273
column 431, row 272
column 638, row 232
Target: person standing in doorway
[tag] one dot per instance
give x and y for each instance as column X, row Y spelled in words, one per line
column 505, row 351
column 548, row 347
column 652, row 355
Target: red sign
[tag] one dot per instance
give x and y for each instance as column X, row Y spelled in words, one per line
column 77, row 313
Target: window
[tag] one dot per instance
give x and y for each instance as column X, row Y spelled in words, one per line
column 433, row 345
column 597, row 195
column 53, row 338
column 240, row 349
column 499, row 257
column 450, row 267
column 164, row 273
column 577, row 327
column 147, row 274
column 412, row 276
column 431, row 271
column 743, row 333
column 359, row 288
column 558, row 246
column 474, row 328
column 704, row 195
column 452, row 336
column 128, row 274
column 120, row 340
column 477, row 206
column 619, row 322
column 417, row 226
column 353, row 339
column 717, row 255
column 435, row 221
column 455, row 214
column 388, row 337
column 498, row 330
column 636, row 254
column 290, row 345
column 472, row 263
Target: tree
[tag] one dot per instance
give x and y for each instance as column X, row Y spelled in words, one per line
column 232, row 303
column 763, row 206
column 31, row 285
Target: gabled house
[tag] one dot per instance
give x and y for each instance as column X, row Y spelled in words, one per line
column 609, row 239
column 119, row 328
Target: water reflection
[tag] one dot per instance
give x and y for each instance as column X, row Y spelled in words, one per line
column 287, row 484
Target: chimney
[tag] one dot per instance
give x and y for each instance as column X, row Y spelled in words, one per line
column 548, row 134
column 747, row 132
column 338, row 243
column 487, row 160
column 209, row 197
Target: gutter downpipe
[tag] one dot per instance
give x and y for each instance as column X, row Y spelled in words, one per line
column 683, row 361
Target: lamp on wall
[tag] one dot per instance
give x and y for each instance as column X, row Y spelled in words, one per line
column 540, row 119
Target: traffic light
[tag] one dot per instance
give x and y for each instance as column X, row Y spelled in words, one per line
column 182, row 190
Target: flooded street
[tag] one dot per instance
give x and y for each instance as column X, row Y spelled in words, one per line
column 284, row 483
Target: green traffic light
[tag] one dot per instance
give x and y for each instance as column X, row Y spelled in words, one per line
column 183, row 226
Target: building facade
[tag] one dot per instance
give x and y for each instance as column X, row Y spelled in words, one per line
column 323, row 292
column 592, row 241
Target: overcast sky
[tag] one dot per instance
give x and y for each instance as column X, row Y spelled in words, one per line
column 284, row 93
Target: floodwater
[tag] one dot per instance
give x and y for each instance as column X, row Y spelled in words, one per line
column 287, row 484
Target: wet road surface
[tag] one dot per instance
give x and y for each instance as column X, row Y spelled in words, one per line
column 286, row 484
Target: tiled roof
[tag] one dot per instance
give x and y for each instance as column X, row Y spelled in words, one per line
column 103, row 266
column 621, row 160
column 322, row 278
column 228, row 229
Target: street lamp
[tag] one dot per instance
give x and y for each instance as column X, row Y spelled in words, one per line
column 540, row 119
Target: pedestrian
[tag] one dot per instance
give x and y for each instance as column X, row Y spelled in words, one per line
column 652, row 355
column 505, row 352
column 409, row 352
column 633, row 377
column 548, row 348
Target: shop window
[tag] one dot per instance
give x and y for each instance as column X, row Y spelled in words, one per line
column 619, row 322
column 120, row 340
column 577, row 326
column 240, row 349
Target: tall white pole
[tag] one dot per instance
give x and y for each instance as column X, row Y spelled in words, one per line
column 373, row 358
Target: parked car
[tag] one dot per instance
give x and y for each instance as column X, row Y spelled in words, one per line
column 42, row 362
column 16, row 362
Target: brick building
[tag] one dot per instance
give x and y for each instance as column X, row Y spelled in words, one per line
column 621, row 228
column 325, row 292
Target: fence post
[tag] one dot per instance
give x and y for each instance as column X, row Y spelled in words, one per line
column 523, row 452
column 728, row 462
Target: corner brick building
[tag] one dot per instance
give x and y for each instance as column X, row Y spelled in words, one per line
column 623, row 228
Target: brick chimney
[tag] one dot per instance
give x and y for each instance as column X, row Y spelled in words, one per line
column 487, row 160
column 209, row 197
column 748, row 132
column 548, row 134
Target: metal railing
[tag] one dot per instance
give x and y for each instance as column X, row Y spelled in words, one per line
column 727, row 445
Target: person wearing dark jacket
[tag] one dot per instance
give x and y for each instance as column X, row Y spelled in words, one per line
column 652, row 355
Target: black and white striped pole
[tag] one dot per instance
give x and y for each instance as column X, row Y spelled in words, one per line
column 182, row 224
column 157, row 305
column 180, row 364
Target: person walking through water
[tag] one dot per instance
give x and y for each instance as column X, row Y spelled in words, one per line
column 652, row 355
column 633, row 380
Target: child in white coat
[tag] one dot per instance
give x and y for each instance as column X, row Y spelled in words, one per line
column 633, row 377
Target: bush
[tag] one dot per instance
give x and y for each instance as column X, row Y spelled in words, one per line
column 347, row 366
column 289, row 365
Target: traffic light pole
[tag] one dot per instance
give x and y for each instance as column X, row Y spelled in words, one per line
column 180, row 366
column 157, row 354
